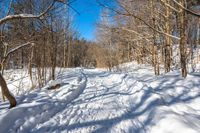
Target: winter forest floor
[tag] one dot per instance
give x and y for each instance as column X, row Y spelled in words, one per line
column 98, row 101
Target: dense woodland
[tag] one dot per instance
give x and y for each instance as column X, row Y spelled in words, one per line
column 163, row 33
column 39, row 36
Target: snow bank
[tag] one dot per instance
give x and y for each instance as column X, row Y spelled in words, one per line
column 38, row 106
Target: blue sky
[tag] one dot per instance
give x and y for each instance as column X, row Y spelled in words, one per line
column 89, row 16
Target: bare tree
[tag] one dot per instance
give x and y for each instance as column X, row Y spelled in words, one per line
column 156, row 36
column 9, row 18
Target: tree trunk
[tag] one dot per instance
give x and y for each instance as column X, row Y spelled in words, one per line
column 168, row 39
column 69, row 52
column 6, row 92
column 30, row 67
column 183, row 45
column 154, row 45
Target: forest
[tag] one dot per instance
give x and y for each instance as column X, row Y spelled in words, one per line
column 39, row 39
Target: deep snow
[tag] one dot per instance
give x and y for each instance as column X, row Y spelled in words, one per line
column 98, row 101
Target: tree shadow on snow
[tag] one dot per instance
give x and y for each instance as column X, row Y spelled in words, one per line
column 105, row 124
column 165, row 85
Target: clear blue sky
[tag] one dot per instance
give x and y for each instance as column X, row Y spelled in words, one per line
column 89, row 14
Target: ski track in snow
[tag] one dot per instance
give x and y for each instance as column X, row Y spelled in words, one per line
column 97, row 101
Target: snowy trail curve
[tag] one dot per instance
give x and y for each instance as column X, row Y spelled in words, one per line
column 98, row 101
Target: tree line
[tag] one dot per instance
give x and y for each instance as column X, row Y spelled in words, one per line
column 163, row 33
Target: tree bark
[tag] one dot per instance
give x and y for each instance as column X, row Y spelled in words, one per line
column 183, row 45
column 168, row 39
column 6, row 92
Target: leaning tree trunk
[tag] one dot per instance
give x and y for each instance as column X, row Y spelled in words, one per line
column 6, row 92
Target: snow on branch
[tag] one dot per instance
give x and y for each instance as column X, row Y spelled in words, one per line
column 18, row 47
column 27, row 16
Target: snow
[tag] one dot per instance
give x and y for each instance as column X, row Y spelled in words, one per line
column 95, row 100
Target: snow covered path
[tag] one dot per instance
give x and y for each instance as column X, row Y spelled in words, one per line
column 92, row 100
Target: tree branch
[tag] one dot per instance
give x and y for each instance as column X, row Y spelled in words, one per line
column 187, row 10
column 17, row 48
column 140, row 19
column 26, row 16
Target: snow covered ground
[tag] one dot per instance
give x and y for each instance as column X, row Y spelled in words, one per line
column 98, row 101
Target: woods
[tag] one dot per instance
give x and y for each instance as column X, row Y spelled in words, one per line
column 155, row 32
column 39, row 36
column 95, row 66
column 21, row 26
